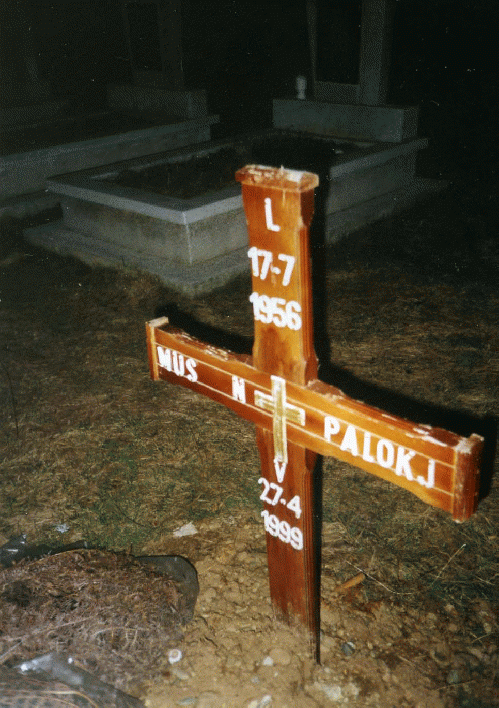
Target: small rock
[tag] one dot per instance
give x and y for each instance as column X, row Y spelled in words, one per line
column 352, row 690
column 174, row 655
column 441, row 653
column 233, row 662
column 331, row 691
column 267, row 661
column 262, row 703
column 327, row 645
column 329, row 618
column 210, row 699
column 477, row 653
column 431, row 618
column 280, row 656
column 453, row 677
column 348, row 648
column 178, row 673
column 209, row 595
column 185, row 530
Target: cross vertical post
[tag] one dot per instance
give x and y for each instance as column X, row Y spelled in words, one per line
column 279, row 207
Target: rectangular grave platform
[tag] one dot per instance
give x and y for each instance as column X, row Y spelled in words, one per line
column 145, row 213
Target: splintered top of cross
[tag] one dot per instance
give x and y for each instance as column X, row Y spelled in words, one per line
column 277, row 177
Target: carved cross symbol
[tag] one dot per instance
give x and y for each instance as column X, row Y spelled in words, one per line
column 297, row 416
column 282, row 412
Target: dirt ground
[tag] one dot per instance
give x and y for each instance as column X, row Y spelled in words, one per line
column 92, row 449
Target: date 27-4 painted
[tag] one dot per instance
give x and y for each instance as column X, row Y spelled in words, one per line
column 282, row 530
column 272, row 494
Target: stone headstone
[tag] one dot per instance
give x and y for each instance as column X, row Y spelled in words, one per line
column 350, row 47
column 153, row 30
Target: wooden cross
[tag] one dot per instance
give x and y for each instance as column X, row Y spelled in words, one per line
column 297, row 416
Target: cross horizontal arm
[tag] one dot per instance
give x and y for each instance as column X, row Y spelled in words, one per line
column 439, row 467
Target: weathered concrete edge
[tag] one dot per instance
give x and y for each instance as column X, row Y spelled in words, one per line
column 202, row 278
column 341, row 223
column 189, row 280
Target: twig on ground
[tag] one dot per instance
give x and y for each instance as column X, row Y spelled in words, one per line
column 448, row 562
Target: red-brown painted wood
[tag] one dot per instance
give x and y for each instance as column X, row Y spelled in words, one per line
column 279, row 207
column 298, row 416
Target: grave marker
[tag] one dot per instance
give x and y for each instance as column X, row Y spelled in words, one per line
column 297, row 416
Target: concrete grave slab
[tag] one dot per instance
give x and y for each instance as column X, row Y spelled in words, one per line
column 199, row 243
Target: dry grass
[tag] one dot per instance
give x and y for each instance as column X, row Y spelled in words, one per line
column 87, row 440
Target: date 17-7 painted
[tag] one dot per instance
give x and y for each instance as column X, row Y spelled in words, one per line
column 276, row 310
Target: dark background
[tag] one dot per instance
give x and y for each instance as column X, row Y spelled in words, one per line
column 442, row 49
column 246, row 52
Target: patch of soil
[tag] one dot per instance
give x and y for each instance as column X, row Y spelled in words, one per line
column 92, row 448
column 201, row 174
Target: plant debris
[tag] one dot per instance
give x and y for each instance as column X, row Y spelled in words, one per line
column 109, row 611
